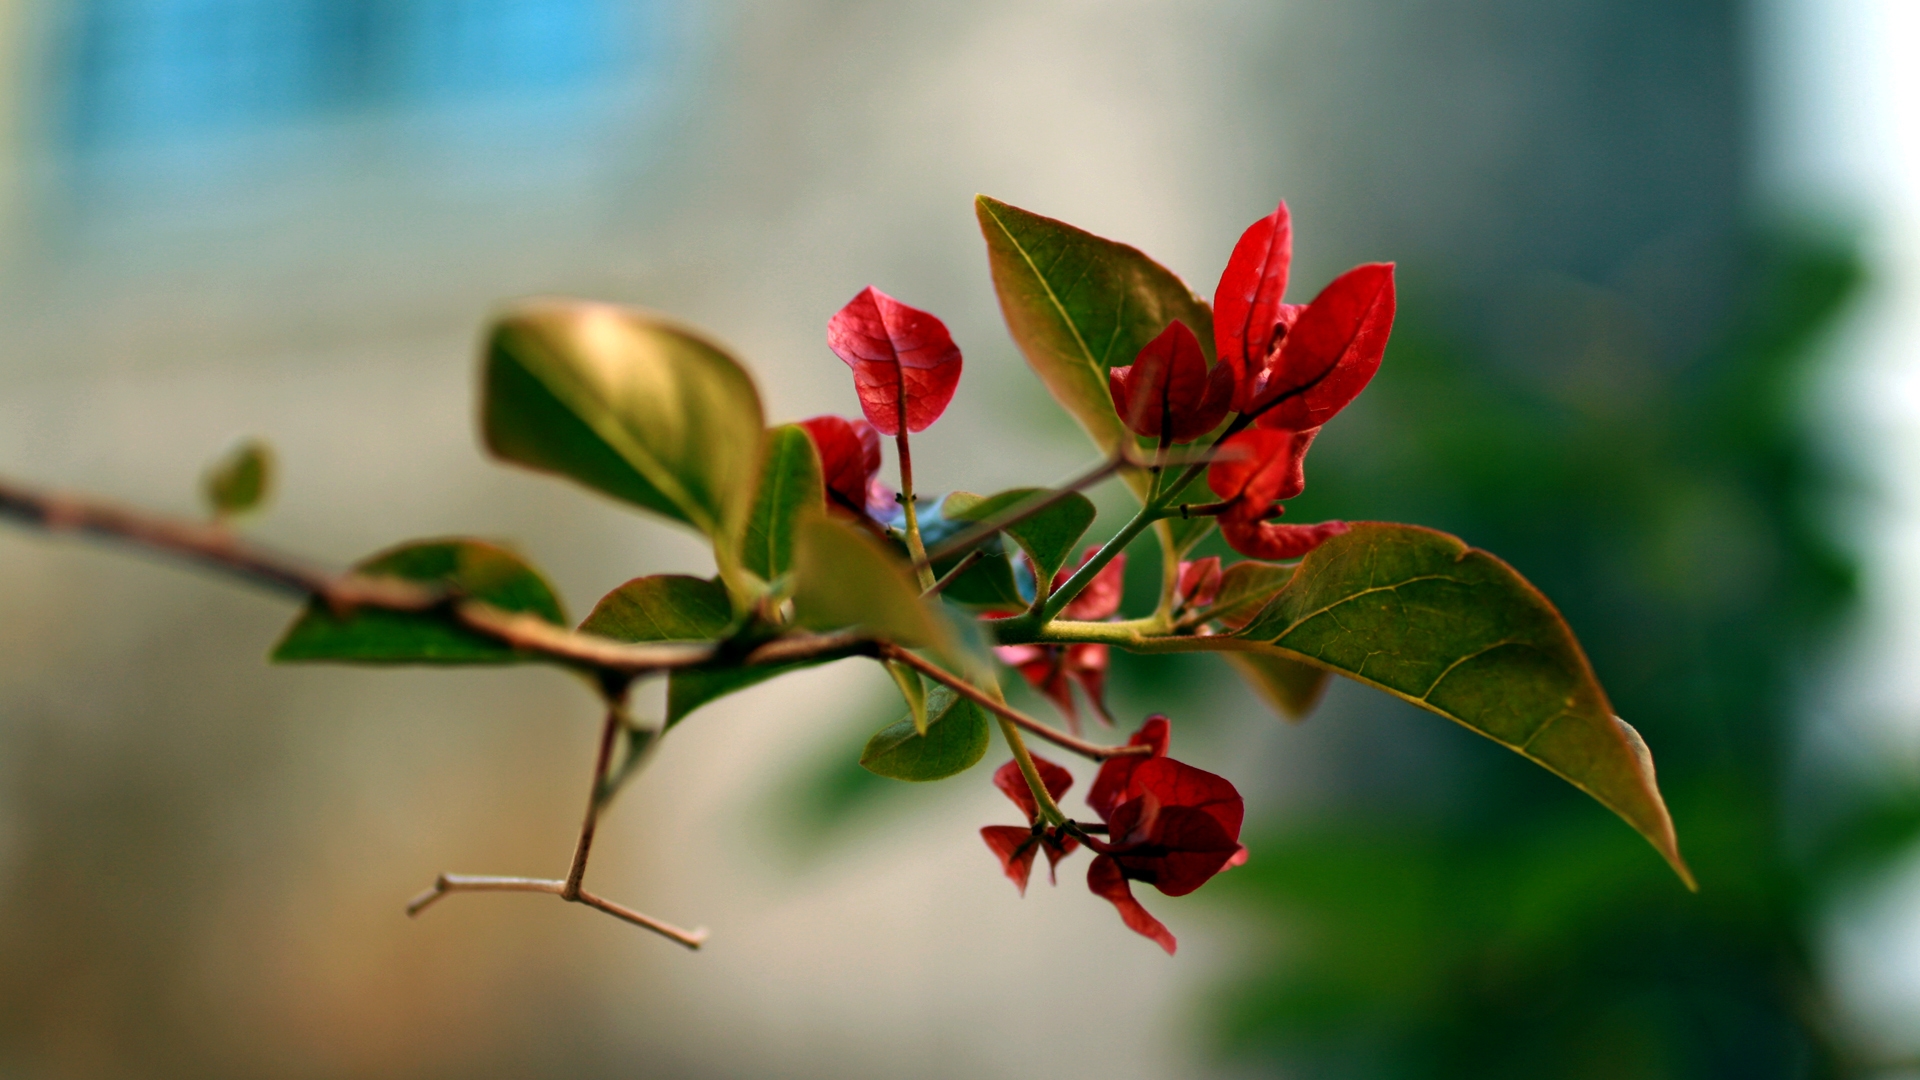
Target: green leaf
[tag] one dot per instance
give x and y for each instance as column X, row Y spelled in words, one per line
column 690, row 688
column 664, row 607
column 474, row 569
column 1456, row 631
column 1245, row 588
column 1078, row 304
column 955, row 741
column 1047, row 537
column 629, row 405
column 913, row 691
column 1291, row 687
column 241, row 479
column 790, row 487
column 844, row 577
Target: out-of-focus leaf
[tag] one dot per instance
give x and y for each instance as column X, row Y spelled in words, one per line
column 955, row 741
column 241, row 479
column 1078, row 304
column 1047, row 537
column 790, row 487
column 1456, row 631
column 905, row 364
column 663, row 607
column 470, row 568
column 627, row 404
column 913, row 691
column 845, row 578
column 1291, row 687
column 690, row 688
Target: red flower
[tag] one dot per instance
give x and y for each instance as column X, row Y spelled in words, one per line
column 1168, row 389
column 1169, row 825
column 1198, row 584
column 1258, row 469
column 1297, row 365
column 1015, row 846
column 1054, row 669
column 905, row 364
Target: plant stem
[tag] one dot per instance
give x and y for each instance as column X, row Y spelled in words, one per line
column 1090, row 569
column 915, row 549
column 602, row 760
column 1042, row 798
column 959, row 568
column 1001, row 709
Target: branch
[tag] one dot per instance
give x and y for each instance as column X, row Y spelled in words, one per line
column 452, row 883
column 965, row 689
column 218, row 548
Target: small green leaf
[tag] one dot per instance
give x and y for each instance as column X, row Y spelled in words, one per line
column 1456, row 631
column 1291, row 687
column 955, row 741
column 1078, row 304
column 1245, row 588
column 664, row 607
column 1048, row 537
column 471, row 568
column 690, row 688
column 913, row 691
column 629, row 405
column 844, row 577
column 241, row 479
column 790, row 488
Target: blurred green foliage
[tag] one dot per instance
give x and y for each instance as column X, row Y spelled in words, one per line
column 1491, row 926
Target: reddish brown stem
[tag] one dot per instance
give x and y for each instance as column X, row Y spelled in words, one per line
column 986, row 701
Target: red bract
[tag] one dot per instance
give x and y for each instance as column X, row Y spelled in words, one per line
column 1168, row 389
column 1053, row 669
column 905, row 364
column 849, row 459
column 1015, row 846
column 1249, row 320
column 1199, row 582
column 1169, row 825
column 1257, row 470
column 1297, row 365
column 1330, row 352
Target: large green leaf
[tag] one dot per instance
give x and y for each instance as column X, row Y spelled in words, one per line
column 1245, row 588
column 628, row 404
column 789, row 489
column 1047, row 537
column 1453, row 629
column 1078, row 304
column 955, row 741
column 844, row 577
column 472, row 568
column 664, row 607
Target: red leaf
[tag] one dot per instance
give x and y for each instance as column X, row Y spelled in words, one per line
column 1330, row 353
column 904, row 362
column 1086, row 663
column 1101, row 598
column 849, row 457
column 1015, row 846
column 1168, row 388
column 1013, row 783
column 1106, row 880
column 1266, row 540
column 1110, row 784
column 1261, row 466
column 1052, row 669
column 1248, row 317
column 1199, row 582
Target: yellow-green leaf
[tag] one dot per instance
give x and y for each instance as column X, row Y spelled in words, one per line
column 789, row 489
column 1291, row 687
column 1456, row 631
column 241, row 479
column 663, row 607
column 628, row 404
column 844, row 577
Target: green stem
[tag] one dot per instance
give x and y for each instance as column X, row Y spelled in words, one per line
column 1043, row 799
column 1090, row 569
column 915, row 549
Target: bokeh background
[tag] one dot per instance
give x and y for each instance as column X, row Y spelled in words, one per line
column 1657, row 348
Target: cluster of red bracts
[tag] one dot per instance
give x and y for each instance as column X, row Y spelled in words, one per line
column 1284, row 368
column 1168, row 825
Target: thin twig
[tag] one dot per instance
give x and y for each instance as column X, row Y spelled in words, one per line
column 986, row 701
column 602, row 760
column 452, row 883
column 1026, row 508
column 959, row 568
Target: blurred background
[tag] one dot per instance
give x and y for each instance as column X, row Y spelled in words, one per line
column 1660, row 311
